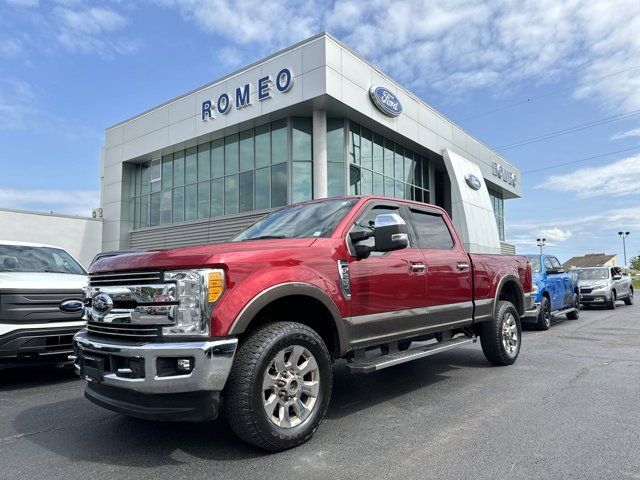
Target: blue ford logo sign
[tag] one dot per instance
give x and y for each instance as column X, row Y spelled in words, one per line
column 473, row 181
column 102, row 304
column 71, row 306
column 386, row 101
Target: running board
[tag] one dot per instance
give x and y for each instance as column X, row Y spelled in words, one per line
column 564, row 311
column 389, row 360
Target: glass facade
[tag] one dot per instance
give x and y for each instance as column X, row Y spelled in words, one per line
column 497, row 201
column 380, row 166
column 239, row 173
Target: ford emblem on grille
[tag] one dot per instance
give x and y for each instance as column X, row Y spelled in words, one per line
column 71, row 306
column 102, row 304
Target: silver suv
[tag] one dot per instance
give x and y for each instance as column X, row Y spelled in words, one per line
column 604, row 286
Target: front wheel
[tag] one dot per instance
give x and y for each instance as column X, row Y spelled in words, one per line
column 279, row 387
column 544, row 316
column 629, row 299
column 575, row 304
column 500, row 336
column 612, row 303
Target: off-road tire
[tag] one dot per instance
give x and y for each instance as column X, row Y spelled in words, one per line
column 491, row 335
column 244, row 396
column 612, row 303
column 544, row 316
column 629, row 299
column 575, row 315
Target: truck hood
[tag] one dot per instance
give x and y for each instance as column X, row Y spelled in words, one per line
column 41, row 281
column 194, row 257
column 588, row 283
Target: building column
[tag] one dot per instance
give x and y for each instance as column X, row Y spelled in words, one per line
column 319, row 154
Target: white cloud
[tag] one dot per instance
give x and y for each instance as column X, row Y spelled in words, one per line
column 555, row 234
column 87, row 30
column 9, row 47
column 71, row 202
column 18, row 102
column 615, row 179
column 628, row 134
column 456, row 46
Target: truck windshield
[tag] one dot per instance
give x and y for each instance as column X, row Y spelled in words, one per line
column 20, row 258
column 593, row 273
column 535, row 264
column 307, row 220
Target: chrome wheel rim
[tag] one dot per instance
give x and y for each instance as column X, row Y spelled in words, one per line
column 510, row 334
column 547, row 315
column 290, row 386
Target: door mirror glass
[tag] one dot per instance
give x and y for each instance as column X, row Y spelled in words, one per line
column 617, row 277
column 390, row 232
column 554, row 271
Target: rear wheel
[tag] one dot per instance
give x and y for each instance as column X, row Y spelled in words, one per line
column 629, row 299
column 280, row 386
column 612, row 303
column 575, row 304
column 544, row 316
column 500, row 336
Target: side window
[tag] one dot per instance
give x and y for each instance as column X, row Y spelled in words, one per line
column 547, row 263
column 431, row 231
column 366, row 222
column 555, row 262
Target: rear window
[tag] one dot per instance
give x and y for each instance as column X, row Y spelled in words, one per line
column 431, row 230
column 19, row 258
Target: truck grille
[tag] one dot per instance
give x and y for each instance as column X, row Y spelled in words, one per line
column 124, row 330
column 36, row 306
column 586, row 290
column 124, row 279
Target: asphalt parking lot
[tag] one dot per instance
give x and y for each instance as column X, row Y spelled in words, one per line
column 569, row 408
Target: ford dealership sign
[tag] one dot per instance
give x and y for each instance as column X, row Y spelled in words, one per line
column 386, row 101
column 473, row 181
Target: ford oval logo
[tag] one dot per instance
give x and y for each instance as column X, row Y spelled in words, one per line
column 473, row 181
column 71, row 306
column 102, row 304
column 386, row 101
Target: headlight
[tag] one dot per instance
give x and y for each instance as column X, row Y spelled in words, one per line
column 598, row 286
column 197, row 291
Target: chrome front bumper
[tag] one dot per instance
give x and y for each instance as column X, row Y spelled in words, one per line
column 531, row 308
column 212, row 363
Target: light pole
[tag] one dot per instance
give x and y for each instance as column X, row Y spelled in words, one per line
column 623, row 236
column 541, row 243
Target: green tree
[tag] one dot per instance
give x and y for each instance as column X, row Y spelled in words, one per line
column 634, row 263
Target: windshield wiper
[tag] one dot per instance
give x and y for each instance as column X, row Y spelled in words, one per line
column 266, row 237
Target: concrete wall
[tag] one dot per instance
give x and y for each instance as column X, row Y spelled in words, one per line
column 81, row 237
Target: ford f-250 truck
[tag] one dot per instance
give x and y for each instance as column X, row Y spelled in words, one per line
column 257, row 322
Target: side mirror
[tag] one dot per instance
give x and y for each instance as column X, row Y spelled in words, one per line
column 554, row 271
column 390, row 232
column 617, row 277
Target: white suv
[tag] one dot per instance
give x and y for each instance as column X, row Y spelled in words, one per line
column 41, row 303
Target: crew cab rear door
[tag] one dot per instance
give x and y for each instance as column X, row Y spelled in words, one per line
column 448, row 268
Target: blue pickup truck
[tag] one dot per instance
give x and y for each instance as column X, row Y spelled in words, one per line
column 557, row 291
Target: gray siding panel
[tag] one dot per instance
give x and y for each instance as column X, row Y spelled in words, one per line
column 216, row 230
column 507, row 248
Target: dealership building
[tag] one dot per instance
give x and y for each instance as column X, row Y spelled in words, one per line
column 311, row 121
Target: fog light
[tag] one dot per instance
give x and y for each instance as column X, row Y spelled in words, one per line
column 185, row 365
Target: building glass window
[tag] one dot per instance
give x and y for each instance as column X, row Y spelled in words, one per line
column 383, row 167
column 238, row 173
column 497, row 200
column 301, row 154
column 335, row 157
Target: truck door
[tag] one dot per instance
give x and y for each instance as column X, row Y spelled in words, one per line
column 388, row 290
column 565, row 292
column 554, row 285
column 448, row 267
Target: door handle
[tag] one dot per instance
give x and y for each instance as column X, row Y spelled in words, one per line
column 417, row 267
column 463, row 266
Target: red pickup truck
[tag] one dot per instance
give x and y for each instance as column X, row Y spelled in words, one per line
column 258, row 322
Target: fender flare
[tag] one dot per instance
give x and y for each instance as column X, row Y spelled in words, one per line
column 287, row 289
column 501, row 284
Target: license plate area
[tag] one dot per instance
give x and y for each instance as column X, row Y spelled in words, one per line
column 93, row 369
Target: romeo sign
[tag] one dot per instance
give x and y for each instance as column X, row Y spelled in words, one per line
column 241, row 97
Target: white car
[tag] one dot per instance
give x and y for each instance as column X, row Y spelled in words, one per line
column 41, row 303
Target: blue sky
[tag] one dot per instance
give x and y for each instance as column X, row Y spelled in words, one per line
column 506, row 71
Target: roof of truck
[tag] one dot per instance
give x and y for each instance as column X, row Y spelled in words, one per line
column 27, row 244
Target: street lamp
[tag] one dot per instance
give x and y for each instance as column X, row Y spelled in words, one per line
column 541, row 243
column 623, row 236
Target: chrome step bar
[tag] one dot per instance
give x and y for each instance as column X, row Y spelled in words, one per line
column 396, row 358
